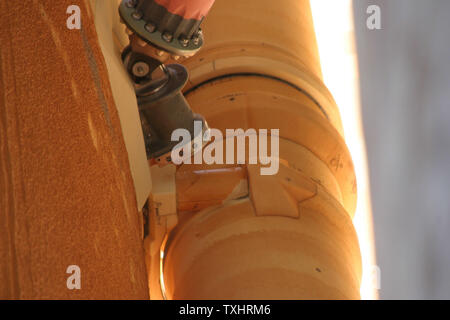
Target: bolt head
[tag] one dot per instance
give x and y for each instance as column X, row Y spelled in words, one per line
column 168, row 37
column 131, row 3
column 128, row 31
column 196, row 40
column 184, row 42
column 141, row 69
column 197, row 37
column 137, row 15
column 150, row 27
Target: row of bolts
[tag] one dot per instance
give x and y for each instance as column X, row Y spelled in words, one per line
column 166, row 36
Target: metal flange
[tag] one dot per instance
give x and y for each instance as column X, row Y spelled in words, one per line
column 149, row 32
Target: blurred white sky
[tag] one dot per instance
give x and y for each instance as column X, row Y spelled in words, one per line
column 405, row 81
column 333, row 21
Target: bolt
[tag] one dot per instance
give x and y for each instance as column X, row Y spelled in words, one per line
column 131, row 3
column 184, row 42
column 167, row 37
column 141, row 69
column 197, row 37
column 137, row 15
column 196, row 40
column 150, row 27
column 128, row 31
